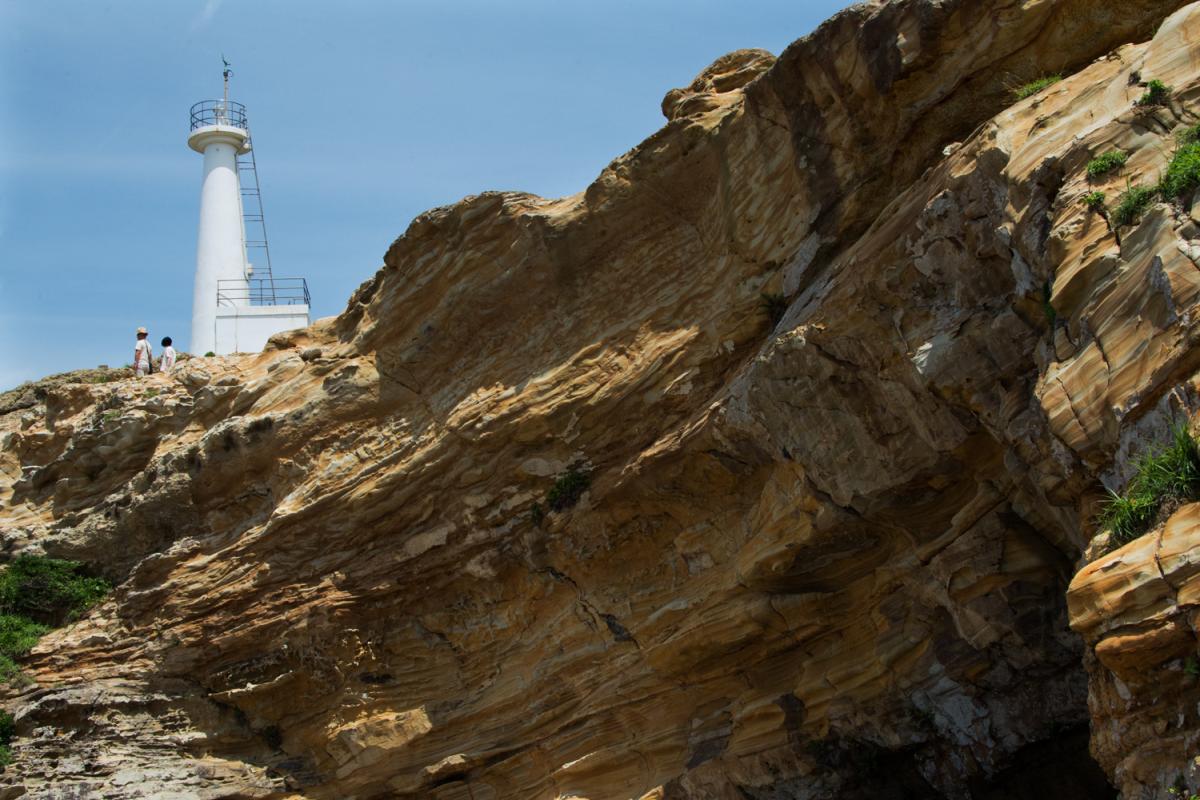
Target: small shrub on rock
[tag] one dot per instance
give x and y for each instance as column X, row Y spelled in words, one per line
column 1094, row 201
column 1157, row 94
column 1163, row 480
column 567, row 489
column 1183, row 173
column 1132, row 204
column 1108, row 162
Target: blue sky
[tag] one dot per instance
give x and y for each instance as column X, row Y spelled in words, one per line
column 364, row 115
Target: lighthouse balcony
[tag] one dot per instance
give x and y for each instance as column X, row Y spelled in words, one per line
column 223, row 113
column 262, row 292
column 251, row 311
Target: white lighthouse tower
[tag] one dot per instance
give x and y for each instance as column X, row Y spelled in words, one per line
column 235, row 307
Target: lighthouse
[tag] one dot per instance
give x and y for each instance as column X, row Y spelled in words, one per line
column 236, row 305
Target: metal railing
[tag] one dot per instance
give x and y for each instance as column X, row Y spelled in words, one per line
column 218, row 112
column 263, row 292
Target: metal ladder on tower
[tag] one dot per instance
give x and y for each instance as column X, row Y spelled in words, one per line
column 254, row 225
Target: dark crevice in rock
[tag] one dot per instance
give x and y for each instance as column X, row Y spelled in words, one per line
column 1059, row 767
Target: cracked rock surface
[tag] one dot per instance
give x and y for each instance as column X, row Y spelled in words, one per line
column 827, row 540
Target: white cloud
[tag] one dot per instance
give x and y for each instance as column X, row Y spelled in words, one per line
column 206, row 14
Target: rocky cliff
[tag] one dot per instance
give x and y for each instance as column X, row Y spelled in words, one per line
column 759, row 469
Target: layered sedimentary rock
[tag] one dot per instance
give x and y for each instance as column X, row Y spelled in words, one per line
column 1137, row 610
column 847, row 361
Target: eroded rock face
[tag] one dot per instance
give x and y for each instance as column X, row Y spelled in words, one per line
column 823, row 554
column 718, row 84
column 1136, row 609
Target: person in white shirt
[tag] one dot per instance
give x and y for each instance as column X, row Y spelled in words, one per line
column 142, row 355
column 167, row 363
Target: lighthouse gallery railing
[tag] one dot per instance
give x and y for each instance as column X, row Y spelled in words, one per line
column 263, row 292
column 218, row 112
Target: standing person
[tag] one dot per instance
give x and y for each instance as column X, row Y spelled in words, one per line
column 168, row 357
column 142, row 355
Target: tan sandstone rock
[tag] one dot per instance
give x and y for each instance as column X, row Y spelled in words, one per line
column 821, row 554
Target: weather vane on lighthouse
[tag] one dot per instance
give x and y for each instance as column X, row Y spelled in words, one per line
column 236, row 307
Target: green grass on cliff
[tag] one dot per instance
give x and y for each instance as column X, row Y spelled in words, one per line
column 1164, row 479
column 1157, row 94
column 1094, row 201
column 36, row 595
column 18, row 635
column 1132, row 204
column 1183, row 173
column 48, row 591
column 1035, row 86
column 1105, row 163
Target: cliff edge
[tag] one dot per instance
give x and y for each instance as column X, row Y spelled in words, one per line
column 758, row 469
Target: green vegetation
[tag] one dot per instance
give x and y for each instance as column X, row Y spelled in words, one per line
column 1163, row 479
column 109, row 416
column 1094, row 201
column 774, row 306
column 7, row 729
column 51, row 591
column 1047, row 306
column 36, row 594
column 209, row 354
column 1132, row 203
column 1188, row 135
column 1033, row 87
column 567, row 490
column 1105, row 163
column 1157, row 94
column 1191, row 666
column 1183, row 173
column 18, row 635
column 537, row 515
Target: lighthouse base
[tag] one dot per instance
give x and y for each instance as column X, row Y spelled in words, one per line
column 246, row 329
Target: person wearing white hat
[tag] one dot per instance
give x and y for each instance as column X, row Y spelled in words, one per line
column 142, row 357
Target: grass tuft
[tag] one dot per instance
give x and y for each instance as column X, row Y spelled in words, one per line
column 1183, row 173
column 1094, row 201
column 567, row 489
column 1132, row 204
column 1157, row 94
column 1035, row 86
column 1108, row 162
column 1163, row 478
